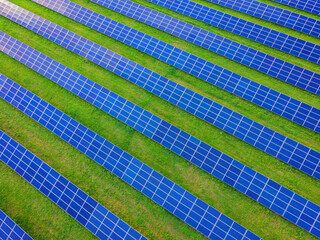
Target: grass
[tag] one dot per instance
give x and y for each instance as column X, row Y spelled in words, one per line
column 44, row 220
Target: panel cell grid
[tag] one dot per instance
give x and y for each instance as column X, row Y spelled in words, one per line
column 274, row 14
column 312, row 6
column 8, row 228
column 255, row 32
column 285, row 149
column 166, row 193
column 260, row 61
column 230, row 171
column 234, row 83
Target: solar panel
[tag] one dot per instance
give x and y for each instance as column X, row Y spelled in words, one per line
column 166, row 193
column 312, row 6
column 230, row 171
column 9, row 229
column 285, row 149
column 79, row 205
column 249, row 90
column 274, row 14
column 260, row 61
column 255, row 32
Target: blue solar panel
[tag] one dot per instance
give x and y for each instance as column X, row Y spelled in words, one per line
column 249, row 90
column 260, row 61
column 166, row 193
column 209, row 159
column 255, row 32
column 79, row 205
column 312, row 6
column 274, row 14
column 285, row 149
column 8, row 228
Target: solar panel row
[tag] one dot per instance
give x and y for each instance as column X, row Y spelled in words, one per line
column 260, row 61
column 255, row 32
column 312, row 6
column 207, row 71
column 166, row 193
column 274, row 14
column 79, row 205
column 9, row 230
column 283, row 148
column 232, row 172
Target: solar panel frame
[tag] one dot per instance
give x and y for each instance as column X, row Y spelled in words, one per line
column 198, row 67
column 228, row 170
column 255, row 32
column 8, row 228
column 155, row 186
column 312, row 6
column 285, row 149
column 274, row 14
column 255, row 59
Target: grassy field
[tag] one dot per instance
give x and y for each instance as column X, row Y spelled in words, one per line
column 44, row 220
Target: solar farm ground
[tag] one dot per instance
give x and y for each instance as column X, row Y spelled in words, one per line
column 42, row 219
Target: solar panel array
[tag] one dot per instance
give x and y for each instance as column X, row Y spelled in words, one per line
column 255, row 32
column 285, row 149
column 260, row 61
column 176, row 200
column 312, row 6
column 79, row 205
column 232, row 172
column 234, row 83
column 163, row 191
column 9, row 230
column 274, row 14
